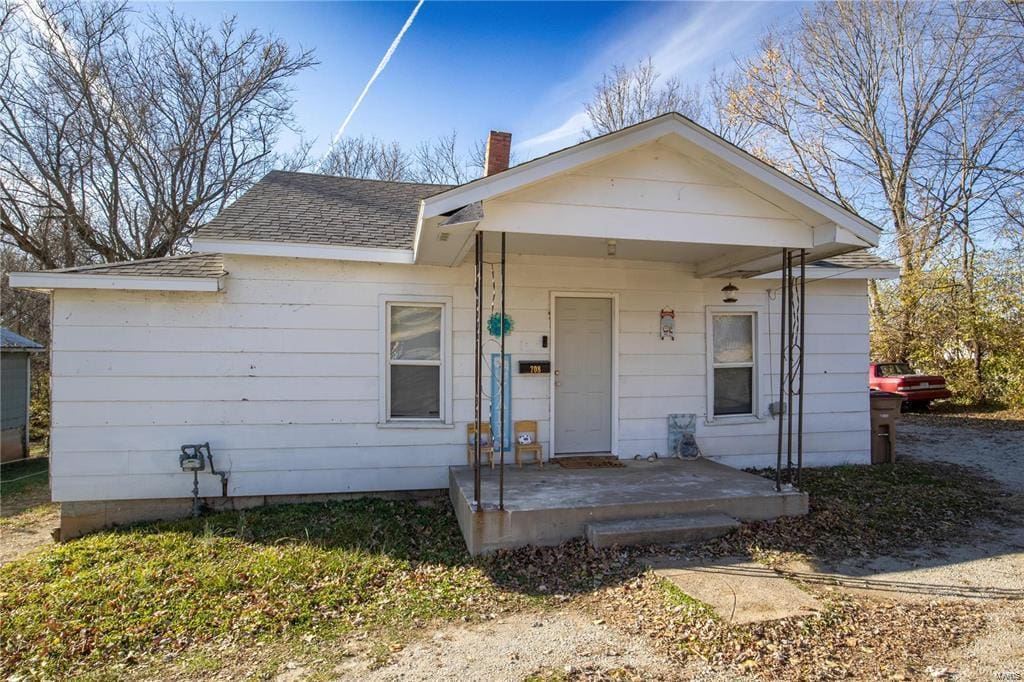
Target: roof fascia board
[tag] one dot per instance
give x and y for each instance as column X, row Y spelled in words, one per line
column 535, row 171
column 821, row 273
column 419, row 232
column 297, row 250
column 47, row 281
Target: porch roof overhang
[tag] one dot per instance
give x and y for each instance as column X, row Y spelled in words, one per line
column 719, row 245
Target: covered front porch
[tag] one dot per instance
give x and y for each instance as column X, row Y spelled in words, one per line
column 550, row 505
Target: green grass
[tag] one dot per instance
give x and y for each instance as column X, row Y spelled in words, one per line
column 677, row 600
column 237, row 578
column 375, row 571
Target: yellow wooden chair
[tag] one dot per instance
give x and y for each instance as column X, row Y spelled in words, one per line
column 486, row 444
column 533, row 447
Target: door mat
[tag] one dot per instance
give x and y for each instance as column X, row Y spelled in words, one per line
column 589, row 462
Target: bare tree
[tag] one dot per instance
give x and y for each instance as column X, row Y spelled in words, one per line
column 439, row 161
column 367, row 157
column 628, row 95
column 121, row 134
column 862, row 100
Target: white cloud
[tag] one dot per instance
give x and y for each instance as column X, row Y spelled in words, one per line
column 572, row 128
column 682, row 45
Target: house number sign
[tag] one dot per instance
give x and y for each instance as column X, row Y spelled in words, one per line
column 535, row 367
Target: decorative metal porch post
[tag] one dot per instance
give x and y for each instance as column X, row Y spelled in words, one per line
column 501, row 383
column 478, row 367
column 782, row 370
column 791, row 366
column 800, row 412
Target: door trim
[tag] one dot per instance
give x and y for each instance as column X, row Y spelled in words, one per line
column 614, row 297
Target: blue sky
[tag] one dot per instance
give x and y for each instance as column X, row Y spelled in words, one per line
column 522, row 67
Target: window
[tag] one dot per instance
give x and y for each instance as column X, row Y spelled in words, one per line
column 893, row 369
column 415, row 384
column 733, row 350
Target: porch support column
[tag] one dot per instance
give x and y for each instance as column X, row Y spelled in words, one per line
column 791, row 373
column 501, row 389
column 478, row 367
column 800, row 409
column 782, row 369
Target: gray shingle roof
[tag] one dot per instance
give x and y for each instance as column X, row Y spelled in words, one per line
column 858, row 260
column 11, row 341
column 202, row 265
column 323, row 209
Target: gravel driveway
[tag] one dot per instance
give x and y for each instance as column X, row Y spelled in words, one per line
column 993, row 447
column 993, row 562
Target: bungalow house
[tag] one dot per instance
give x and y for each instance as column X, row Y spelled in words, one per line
column 334, row 335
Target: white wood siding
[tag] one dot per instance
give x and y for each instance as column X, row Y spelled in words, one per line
column 652, row 192
column 279, row 373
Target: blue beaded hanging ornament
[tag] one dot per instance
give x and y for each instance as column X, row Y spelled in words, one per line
column 494, row 325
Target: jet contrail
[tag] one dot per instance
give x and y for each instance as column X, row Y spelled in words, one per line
column 380, row 67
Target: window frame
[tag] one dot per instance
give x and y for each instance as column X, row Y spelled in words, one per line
column 754, row 364
column 444, row 363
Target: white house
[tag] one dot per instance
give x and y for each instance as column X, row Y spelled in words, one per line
column 321, row 337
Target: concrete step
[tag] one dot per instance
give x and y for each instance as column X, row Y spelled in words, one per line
column 659, row 529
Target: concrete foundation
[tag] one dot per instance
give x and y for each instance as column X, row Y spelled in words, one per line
column 79, row 518
column 551, row 505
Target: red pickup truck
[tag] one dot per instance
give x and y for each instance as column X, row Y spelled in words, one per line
column 917, row 389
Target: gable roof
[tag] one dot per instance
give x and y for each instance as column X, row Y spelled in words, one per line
column 858, row 260
column 187, row 265
column 16, row 342
column 670, row 124
column 188, row 272
column 307, row 208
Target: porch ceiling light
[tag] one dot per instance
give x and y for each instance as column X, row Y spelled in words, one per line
column 729, row 293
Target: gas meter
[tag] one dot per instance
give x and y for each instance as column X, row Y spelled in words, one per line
column 192, row 457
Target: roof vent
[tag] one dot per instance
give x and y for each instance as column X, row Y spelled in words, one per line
column 443, row 236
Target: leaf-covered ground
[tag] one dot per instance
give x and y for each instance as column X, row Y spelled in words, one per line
column 274, row 579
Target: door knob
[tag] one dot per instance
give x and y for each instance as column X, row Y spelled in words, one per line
column 556, row 372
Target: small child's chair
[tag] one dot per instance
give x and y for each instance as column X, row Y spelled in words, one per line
column 528, row 442
column 486, row 443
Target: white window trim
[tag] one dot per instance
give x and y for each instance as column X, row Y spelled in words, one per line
column 709, row 332
column 384, row 367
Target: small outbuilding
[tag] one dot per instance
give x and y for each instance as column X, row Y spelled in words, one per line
column 15, row 393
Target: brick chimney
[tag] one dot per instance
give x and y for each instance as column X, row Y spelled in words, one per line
column 499, row 147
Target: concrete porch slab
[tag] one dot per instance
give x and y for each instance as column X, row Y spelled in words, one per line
column 738, row 589
column 551, row 505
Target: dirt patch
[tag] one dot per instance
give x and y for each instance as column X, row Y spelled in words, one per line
column 850, row 637
column 27, row 531
column 514, row 648
column 27, row 516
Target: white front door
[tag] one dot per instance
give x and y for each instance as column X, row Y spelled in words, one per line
column 583, row 375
